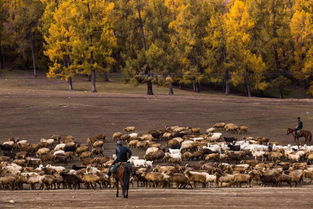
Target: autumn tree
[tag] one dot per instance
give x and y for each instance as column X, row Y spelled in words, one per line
column 23, row 19
column 301, row 27
column 248, row 67
column 80, row 39
column 217, row 67
column 188, row 38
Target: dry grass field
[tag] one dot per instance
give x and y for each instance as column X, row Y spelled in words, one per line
column 32, row 108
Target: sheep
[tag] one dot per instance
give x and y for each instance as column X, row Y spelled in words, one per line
column 155, row 179
column 33, row 180
column 165, row 169
column 117, row 135
column 274, row 156
column 180, row 180
column 210, row 130
column 227, row 178
column 98, row 144
column 258, row 154
column 309, row 174
column 219, row 125
column 296, row 176
column 196, row 178
column 86, row 154
column 130, row 128
column 209, row 178
column 234, row 147
column 59, row 147
column 151, row 150
column 187, row 156
column 154, row 156
column 231, row 127
column 240, row 167
column 242, row 178
column 48, row 181
column 141, row 144
column 58, row 169
column 8, row 181
column 186, row 145
column 13, row 168
column 42, row 151
column 230, row 139
column 70, row 180
column 91, row 180
column 146, row 137
column 242, row 129
column 213, row 137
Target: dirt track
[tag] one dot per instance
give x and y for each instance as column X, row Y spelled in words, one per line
column 159, row 198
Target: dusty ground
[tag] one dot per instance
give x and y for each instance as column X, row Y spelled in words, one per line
column 253, row 198
column 31, row 114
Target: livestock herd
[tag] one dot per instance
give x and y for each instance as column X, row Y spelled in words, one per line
column 179, row 157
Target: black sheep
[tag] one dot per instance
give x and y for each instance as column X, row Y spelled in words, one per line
column 234, row 147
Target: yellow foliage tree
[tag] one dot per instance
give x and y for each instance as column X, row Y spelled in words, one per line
column 247, row 66
column 301, row 27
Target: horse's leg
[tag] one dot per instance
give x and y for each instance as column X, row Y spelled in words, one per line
column 116, row 184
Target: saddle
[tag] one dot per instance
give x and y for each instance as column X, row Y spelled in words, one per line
column 115, row 166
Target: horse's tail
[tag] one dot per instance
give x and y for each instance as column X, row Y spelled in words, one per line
column 126, row 177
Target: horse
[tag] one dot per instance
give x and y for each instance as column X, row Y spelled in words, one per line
column 301, row 133
column 122, row 176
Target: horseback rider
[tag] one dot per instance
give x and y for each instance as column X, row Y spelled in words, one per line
column 299, row 126
column 122, row 155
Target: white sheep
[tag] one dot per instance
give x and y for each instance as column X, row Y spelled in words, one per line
column 59, row 146
column 58, row 169
column 174, row 151
column 59, row 152
column 214, row 136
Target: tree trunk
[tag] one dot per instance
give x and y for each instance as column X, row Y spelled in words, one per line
column 89, row 77
column 226, row 87
column 194, row 86
column 93, row 81
column 170, row 89
column 106, row 77
column 197, row 87
column 281, row 92
column 143, row 38
column 33, row 55
column 248, row 88
column 227, row 78
column 2, row 56
column 70, row 83
column 149, row 88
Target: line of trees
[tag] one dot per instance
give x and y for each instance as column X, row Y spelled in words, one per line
column 249, row 44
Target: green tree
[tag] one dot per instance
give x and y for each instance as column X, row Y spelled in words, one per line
column 23, row 18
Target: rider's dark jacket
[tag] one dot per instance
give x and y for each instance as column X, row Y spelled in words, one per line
column 300, row 125
column 122, row 153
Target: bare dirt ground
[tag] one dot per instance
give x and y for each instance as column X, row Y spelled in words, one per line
column 32, row 114
column 253, row 198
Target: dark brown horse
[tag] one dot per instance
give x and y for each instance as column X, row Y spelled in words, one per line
column 307, row 135
column 122, row 176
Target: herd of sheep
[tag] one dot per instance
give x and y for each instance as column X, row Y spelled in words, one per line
column 179, row 157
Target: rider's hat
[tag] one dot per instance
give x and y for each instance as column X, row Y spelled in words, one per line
column 298, row 118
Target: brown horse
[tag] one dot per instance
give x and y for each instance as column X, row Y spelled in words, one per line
column 122, row 176
column 302, row 133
